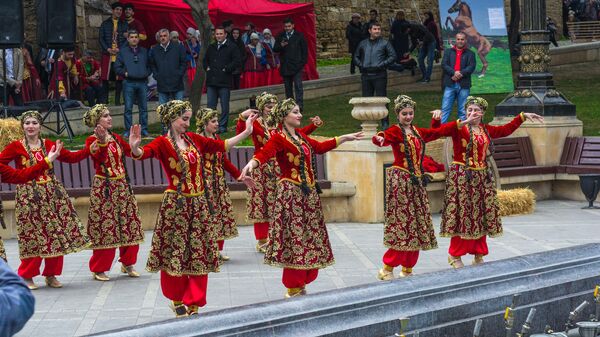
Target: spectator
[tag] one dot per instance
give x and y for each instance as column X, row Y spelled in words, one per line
column 354, row 33
column 457, row 66
column 14, row 75
column 590, row 12
column 168, row 64
column 293, row 51
column 250, row 28
column 65, row 74
column 373, row 18
column 89, row 71
column 272, row 57
column 44, row 61
column 228, row 26
column 174, row 36
column 221, row 60
column 17, row 302
column 432, row 26
column 192, row 50
column 32, row 86
column 112, row 37
column 552, row 29
column 236, row 39
column 132, row 65
column 256, row 63
column 400, row 40
column 134, row 24
column 421, row 37
column 373, row 57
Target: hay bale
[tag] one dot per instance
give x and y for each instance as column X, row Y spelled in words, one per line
column 516, row 201
column 10, row 130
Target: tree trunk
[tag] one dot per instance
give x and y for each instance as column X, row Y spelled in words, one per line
column 514, row 25
column 200, row 15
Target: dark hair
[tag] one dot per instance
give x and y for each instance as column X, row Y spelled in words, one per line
column 250, row 24
column 373, row 11
column 128, row 5
column 288, row 20
column 133, row 31
column 68, row 49
column 236, row 28
column 375, row 23
column 220, row 27
column 227, row 23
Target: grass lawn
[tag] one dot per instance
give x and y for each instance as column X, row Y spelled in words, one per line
column 335, row 110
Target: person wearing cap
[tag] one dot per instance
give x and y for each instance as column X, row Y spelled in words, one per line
column 89, row 73
column 133, row 23
column 192, row 50
column 272, row 57
column 355, row 33
column 112, row 37
column 174, row 35
column 256, row 63
column 221, row 60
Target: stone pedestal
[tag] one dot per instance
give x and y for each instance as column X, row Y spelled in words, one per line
column 370, row 110
column 548, row 138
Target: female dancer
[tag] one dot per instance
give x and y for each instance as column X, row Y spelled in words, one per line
column 113, row 217
column 408, row 227
column 470, row 210
column 207, row 121
column 48, row 226
column 261, row 197
column 299, row 241
column 184, row 245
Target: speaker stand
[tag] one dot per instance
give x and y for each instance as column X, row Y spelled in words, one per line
column 56, row 106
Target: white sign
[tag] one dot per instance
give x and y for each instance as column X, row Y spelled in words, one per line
column 496, row 16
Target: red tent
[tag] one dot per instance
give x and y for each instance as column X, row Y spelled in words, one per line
column 176, row 15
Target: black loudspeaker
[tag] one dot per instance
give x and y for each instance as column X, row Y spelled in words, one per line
column 56, row 23
column 11, row 23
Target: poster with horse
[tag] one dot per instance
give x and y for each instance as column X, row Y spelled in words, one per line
column 484, row 24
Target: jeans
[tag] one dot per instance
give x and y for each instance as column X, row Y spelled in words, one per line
column 214, row 94
column 135, row 90
column 450, row 95
column 164, row 97
column 93, row 94
column 296, row 81
column 376, row 85
column 429, row 52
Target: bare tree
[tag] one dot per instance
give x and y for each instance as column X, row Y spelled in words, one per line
column 200, row 15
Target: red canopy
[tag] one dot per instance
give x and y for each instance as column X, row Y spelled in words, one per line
column 177, row 15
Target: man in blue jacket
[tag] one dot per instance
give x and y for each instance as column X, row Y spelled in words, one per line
column 457, row 66
column 132, row 65
column 16, row 302
column 168, row 62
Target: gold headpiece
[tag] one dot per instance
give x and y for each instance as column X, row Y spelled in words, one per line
column 403, row 101
column 172, row 110
column 282, row 109
column 203, row 116
column 264, row 99
column 479, row 101
column 30, row 114
column 92, row 116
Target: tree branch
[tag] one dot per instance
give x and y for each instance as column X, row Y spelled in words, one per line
column 200, row 15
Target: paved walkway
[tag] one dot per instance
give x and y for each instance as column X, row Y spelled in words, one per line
column 85, row 306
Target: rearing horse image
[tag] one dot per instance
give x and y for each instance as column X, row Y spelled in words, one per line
column 464, row 23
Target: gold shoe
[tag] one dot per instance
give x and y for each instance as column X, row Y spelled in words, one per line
column 100, row 277
column 178, row 308
column 455, row 262
column 406, row 272
column 192, row 310
column 293, row 292
column 129, row 270
column 30, row 284
column 52, row 282
column 385, row 275
column 478, row 259
column 224, row 257
column 261, row 247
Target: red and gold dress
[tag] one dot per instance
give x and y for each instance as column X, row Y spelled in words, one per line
column 184, row 245
column 113, row 217
column 261, row 197
column 9, row 175
column 408, row 227
column 470, row 211
column 215, row 165
column 299, row 242
column 47, row 225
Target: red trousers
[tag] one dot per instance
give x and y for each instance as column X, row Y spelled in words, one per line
column 30, row 267
column 460, row 247
column 395, row 258
column 298, row 278
column 102, row 259
column 189, row 289
column 221, row 243
column 261, row 230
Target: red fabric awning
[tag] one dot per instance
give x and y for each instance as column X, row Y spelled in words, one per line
column 176, row 15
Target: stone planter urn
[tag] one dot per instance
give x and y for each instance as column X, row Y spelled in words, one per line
column 370, row 110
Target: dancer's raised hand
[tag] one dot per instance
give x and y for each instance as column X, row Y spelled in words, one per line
column 55, row 150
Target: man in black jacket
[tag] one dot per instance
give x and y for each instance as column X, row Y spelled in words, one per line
column 354, row 34
column 112, row 38
column 293, row 53
column 168, row 63
column 132, row 65
column 221, row 60
column 421, row 37
column 457, row 66
column 373, row 57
